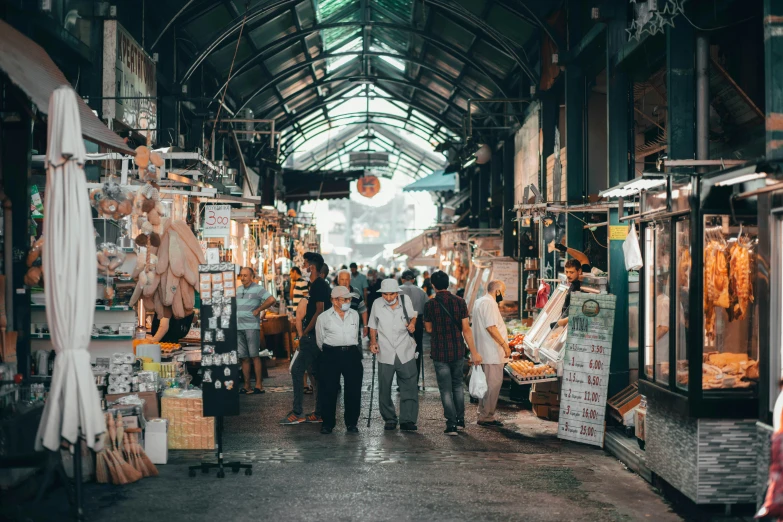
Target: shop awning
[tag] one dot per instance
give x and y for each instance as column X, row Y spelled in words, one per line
column 413, row 247
column 438, row 181
column 32, row 70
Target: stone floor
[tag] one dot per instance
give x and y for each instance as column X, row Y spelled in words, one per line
column 519, row 472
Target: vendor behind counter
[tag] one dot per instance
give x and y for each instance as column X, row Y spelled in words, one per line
column 178, row 328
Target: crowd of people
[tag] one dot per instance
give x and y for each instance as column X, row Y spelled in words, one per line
column 391, row 314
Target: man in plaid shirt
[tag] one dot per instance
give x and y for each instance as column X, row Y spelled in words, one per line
column 446, row 320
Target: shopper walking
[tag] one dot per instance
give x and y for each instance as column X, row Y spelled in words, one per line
column 491, row 338
column 374, row 283
column 426, row 285
column 336, row 333
column 252, row 299
column 446, row 320
column 392, row 323
column 357, row 303
column 359, row 281
column 319, row 300
column 418, row 297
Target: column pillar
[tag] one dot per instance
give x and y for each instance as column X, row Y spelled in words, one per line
column 575, row 127
column 619, row 105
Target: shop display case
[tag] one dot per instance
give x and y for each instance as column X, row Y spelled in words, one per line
column 543, row 343
column 699, row 321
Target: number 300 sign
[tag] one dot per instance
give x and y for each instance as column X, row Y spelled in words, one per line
column 217, row 220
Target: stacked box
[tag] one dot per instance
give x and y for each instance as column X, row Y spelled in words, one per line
column 188, row 428
column 545, row 397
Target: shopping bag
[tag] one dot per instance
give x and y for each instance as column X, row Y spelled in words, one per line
column 632, row 251
column 478, row 383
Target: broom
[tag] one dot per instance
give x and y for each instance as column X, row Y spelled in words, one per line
column 142, row 455
column 102, row 475
column 117, row 476
column 129, row 457
column 130, row 474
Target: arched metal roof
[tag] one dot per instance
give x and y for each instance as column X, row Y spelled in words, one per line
column 300, row 62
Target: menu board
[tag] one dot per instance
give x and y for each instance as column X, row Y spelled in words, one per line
column 508, row 272
column 586, row 368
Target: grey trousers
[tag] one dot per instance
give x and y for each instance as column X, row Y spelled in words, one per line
column 409, row 392
column 487, row 405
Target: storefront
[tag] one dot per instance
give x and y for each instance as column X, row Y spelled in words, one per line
column 699, row 331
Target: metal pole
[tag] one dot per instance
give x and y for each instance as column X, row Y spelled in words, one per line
column 702, row 99
column 77, row 479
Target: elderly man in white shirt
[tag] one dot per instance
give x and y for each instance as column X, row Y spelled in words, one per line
column 336, row 334
column 491, row 339
column 392, row 323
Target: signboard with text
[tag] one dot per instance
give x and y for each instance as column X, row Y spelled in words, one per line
column 508, row 272
column 130, row 85
column 585, row 381
column 217, row 221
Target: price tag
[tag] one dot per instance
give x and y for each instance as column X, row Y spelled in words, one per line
column 583, row 393
column 618, row 232
column 508, row 272
column 217, row 220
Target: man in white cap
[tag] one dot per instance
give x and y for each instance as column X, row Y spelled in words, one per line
column 336, row 333
column 392, row 323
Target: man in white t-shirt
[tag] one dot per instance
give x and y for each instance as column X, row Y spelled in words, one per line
column 491, row 339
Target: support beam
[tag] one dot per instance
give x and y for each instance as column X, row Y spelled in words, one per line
column 509, row 225
column 619, row 106
column 773, row 77
column 550, row 115
column 575, row 94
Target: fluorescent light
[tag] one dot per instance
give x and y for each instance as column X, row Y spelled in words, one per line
column 470, row 162
column 741, row 179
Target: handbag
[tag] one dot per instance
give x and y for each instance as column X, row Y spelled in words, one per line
column 631, row 250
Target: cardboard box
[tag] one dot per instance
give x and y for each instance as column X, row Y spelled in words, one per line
column 156, row 441
column 539, row 397
column 541, row 411
column 554, row 413
column 554, row 398
column 151, row 409
column 550, row 386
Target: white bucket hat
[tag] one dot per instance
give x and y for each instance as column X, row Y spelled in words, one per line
column 341, row 291
column 389, row 286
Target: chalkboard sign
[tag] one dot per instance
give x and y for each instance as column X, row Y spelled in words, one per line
column 219, row 357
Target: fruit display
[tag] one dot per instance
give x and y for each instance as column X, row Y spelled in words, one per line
column 516, row 340
column 516, row 327
column 169, row 347
column 530, row 370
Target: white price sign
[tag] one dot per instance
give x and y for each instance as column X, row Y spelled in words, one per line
column 508, row 272
column 583, row 392
column 217, row 220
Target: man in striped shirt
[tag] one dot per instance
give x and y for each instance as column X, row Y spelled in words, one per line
column 298, row 286
column 252, row 299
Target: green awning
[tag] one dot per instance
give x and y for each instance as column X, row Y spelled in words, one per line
column 436, row 182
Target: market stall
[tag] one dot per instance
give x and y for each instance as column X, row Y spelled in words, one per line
column 699, row 333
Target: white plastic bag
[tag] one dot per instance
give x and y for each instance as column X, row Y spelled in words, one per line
column 632, row 251
column 478, row 383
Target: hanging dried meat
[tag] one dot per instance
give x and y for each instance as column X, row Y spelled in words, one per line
column 716, row 284
column 740, row 282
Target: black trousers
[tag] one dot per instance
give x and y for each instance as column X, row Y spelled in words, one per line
column 418, row 336
column 333, row 363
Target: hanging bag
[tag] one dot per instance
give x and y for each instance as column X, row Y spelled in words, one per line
column 632, row 251
column 478, row 383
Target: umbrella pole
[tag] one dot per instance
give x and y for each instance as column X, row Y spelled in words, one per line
column 77, row 478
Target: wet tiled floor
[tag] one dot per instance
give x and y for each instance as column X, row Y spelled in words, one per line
column 519, row 472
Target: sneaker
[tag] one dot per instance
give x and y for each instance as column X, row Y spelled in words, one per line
column 265, row 353
column 461, row 424
column 389, row 426
column 452, row 431
column 408, row 426
column 312, row 418
column 292, row 418
column 326, row 431
column 353, row 429
column 491, row 424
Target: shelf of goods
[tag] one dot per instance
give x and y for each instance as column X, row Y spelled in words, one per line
column 527, row 372
column 544, row 344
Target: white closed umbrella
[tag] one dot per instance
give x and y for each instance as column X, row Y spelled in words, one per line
column 73, row 407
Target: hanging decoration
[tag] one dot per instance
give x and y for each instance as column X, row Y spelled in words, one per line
column 368, row 186
column 653, row 16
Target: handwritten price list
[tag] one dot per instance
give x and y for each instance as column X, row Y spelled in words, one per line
column 586, row 368
column 217, row 220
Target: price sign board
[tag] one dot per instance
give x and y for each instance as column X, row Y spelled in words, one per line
column 217, row 220
column 508, row 272
column 586, row 368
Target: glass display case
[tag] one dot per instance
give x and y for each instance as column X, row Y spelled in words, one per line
column 699, row 320
column 543, row 343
